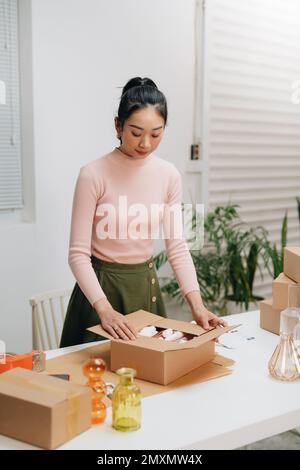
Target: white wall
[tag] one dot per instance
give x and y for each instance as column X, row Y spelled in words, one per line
column 82, row 51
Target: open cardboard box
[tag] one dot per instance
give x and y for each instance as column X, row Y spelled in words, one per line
column 161, row 361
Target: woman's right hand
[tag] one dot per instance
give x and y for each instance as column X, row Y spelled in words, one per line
column 114, row 322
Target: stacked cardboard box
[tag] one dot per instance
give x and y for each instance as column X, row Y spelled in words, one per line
column 270, row 309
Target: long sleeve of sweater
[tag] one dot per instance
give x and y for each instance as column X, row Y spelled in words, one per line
column 85, row 200
column 177, row 249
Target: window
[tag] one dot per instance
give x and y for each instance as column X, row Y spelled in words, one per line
column 11, row 194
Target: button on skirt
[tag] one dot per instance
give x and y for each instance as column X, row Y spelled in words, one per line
column 128, row 287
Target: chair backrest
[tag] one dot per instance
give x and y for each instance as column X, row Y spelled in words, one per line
column 48, row 314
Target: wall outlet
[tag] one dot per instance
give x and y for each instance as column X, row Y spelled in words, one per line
column 196, row 151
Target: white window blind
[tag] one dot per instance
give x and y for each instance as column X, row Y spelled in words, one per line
column 10, row 136
column 252, row 127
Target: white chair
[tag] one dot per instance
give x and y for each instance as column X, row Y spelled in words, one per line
column 48, row 315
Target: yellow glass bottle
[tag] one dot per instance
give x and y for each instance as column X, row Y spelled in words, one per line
column 126, row 402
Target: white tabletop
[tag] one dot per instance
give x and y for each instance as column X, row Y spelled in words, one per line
column 224, row 413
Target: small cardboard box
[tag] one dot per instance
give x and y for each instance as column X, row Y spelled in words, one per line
column 269, row 316
column 291, row 263
column 42, row 410
column 280, row 291
column 157, row 360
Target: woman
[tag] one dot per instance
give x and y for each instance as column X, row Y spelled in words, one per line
column 111, row 249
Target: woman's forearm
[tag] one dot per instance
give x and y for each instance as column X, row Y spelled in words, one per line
column 102, row 306
column 194, row 300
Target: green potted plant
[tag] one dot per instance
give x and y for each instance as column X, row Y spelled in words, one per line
column 227, row 263
column 242, row 248
column 298, row 207
column 275, row 255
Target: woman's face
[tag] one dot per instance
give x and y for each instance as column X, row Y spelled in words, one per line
column 142, row 132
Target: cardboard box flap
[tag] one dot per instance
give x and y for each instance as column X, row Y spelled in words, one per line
column 210, row 335
column 37, row 388
column 163, row 346
column 179, row 325
column 138, row 319
column 195, row 342
column 142, row 318
column 154, row 344
column 100, row 331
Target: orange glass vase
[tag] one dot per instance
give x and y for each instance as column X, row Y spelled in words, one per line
column 94, row 370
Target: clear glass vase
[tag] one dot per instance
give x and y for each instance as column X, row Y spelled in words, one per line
column 296, row 335
column 285, row 361
column 289, row 318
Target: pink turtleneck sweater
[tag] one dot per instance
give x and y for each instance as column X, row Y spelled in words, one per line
column 118, row 184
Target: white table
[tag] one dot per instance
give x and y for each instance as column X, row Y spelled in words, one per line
column 224, row 413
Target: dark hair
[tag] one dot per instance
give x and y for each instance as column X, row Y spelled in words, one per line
column 139, row 93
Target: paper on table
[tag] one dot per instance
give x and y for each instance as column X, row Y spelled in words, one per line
column 236, row 338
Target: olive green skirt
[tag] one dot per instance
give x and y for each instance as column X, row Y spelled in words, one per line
column 128, row 287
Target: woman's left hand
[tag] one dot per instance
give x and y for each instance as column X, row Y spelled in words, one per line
column 207, row 319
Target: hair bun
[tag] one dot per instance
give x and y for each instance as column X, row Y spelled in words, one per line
column 147, row 81
column 138, row 81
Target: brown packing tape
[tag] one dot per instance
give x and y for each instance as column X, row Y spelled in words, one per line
column 73, row 415
column 73, row 399
column 72, row 364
